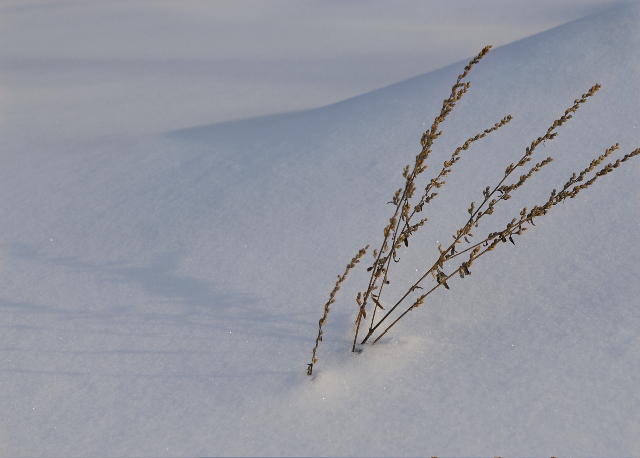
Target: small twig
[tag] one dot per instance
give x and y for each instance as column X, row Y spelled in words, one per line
column 515, row 228
column 323, row 320
column 401, row 198
column 505, row 194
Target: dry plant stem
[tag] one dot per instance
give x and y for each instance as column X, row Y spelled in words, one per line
column 402, row 196
column 517, row 229
column 443, row 172
column 419, row 302
column 406, row 231
column 505, row 191
column 355, row 260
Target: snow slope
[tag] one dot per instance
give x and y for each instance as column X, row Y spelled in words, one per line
column 91, row 68
column 160, row 295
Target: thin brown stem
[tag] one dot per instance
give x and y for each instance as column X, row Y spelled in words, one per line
column 419, row 302
column 402, row 203
column 515, row 228
column 355, row 260
column 505, row 195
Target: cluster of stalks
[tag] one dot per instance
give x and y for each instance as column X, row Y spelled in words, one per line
column 406, row 220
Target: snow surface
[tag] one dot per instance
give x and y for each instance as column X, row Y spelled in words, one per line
column 160, row 294
column 88, row 68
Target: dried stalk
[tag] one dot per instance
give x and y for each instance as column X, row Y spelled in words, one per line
column 401, row 225
column 402, row 216
column 355, row 260
column 515, row 227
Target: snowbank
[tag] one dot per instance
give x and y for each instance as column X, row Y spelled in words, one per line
column 160, row 296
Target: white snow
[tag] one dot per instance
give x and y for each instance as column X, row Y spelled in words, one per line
column 160, row 294
column 90, row 68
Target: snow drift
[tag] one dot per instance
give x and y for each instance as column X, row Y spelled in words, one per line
column 160, row 295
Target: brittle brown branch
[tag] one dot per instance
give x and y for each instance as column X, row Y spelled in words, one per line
column 473, row 220
column 437, row 182
column 550, row 135
column 505, row 194
column 401, row 226
column 442, row 280
column 515, row 227
column 401, row 218
column 355, row 260
column 402, row 196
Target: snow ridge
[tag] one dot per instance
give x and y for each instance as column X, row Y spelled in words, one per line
column 160, row 295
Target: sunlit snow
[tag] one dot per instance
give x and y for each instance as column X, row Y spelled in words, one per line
column 160, row 294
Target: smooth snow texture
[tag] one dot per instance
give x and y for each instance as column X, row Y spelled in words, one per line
column 160, row 296
column 90, row 68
